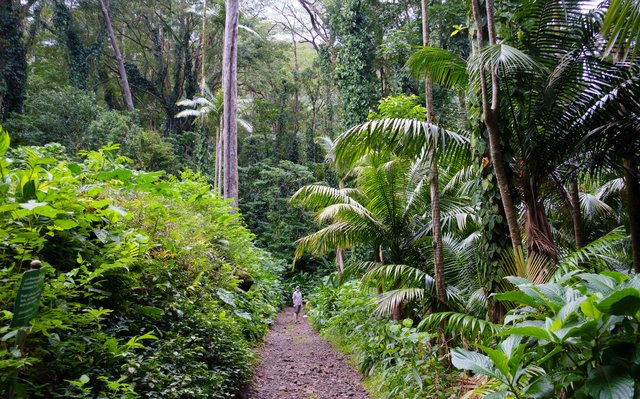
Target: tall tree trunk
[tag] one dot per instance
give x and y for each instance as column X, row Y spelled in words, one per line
column 576, row 213
column 230, row 87
column 633, row 198
column 491, row 115
column 438, row 258
column 218, row 169
column 124, row 82
column 296, row 88
column 203, row 81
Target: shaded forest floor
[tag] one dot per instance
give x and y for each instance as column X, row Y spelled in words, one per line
column 297, row 363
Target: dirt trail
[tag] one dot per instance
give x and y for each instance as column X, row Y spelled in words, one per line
column 297, row 363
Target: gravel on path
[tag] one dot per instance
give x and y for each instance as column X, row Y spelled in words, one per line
column 297, row 363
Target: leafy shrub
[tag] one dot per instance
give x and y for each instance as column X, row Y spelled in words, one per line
column 143, row 283
column 148, row 150
column 61, row 116
column 578, row 338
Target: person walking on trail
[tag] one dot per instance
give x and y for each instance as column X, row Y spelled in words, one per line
column 297, row 302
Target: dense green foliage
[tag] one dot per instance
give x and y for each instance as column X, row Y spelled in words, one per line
column 579, row 338
column 152, row 288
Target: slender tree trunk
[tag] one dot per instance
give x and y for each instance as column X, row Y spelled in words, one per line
column 576, row 213
column 203, row 81
column 124, row 82
column 438, row 258
column 296, row 89
column 218, row 171
column 230, row 87
column 491, row 116
column 633, row 196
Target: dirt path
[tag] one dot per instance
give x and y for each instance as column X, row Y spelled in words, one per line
column 298, row 363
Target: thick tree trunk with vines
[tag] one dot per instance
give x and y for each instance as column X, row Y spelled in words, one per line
column 633, row 198
column 124, row 82
column 491, row 117
column 230, row 112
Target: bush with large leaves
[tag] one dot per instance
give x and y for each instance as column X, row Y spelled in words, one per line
column 578, row 338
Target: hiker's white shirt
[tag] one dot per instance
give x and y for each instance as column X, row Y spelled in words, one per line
column 297, row 298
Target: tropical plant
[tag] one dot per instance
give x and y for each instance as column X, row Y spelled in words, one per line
column 151, row 287
column 575, row 338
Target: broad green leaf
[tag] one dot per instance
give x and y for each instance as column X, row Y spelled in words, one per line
column 625, row 302
column 46, row 211
column 499, row 359
column 617, row 276
column 74, row 168
column 65, row 224
column 589, row 308
column 29, row 190
column 476, row 362
column 31, row 205
column 570, row 309
column 540, row 387
column 608, row 382
column 518, row 297
column 529, row 331
column 596, row 282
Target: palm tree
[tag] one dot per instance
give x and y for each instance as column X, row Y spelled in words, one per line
column 567, row 74
column 386, row 211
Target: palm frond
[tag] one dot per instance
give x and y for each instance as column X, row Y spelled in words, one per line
column 248, row 29
column 189, row 112
column 316, row 196
column 336, row 235
column 592, row 206
column 390, row 300
column 245, row 125
column 400, row 136
column 504, row 59
column 595, row 254
column 446, row 68
column 622, row 27
column 388, row 272
column 343, row 211
column 459, row 323
column 194, row 102
column 610, row 187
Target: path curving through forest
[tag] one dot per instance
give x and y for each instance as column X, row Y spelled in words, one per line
column 297, row 363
